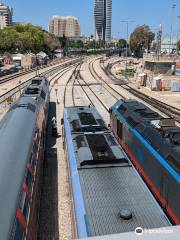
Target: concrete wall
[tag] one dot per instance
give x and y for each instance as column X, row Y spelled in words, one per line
column 158, row 67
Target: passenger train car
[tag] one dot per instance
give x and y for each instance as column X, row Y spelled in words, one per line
column 109, row 196
column 153, row 145
column 22, row 138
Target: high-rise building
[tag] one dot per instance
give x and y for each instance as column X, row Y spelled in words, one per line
column 5, row 16
column 102, row 19
column 67, row 26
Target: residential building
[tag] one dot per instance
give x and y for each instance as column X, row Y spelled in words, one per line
column 67, row 26
column 103, row 19
column 6, row 13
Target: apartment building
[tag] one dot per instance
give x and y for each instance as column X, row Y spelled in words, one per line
column 6, row 13
column 67, row 26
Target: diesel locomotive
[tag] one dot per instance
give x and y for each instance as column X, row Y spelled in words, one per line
column 22, row 140
column 153, row 145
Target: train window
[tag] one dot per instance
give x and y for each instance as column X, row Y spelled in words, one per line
column 111, row 140
column 122, row 109
column 19, row 234
column 32, row 161
column 26, row 207
column 35, row 147
column 43, row 95
column 119, row 129
column 24, row 204
column 29, row 180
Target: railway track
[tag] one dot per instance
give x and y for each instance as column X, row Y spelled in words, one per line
column 13, row 76
column 86, row 85
column 86, row 88
column 166, row 109
column 16, row 92
column 19, row 74
column 71, row 81
column 22, row 85
column 107, row 86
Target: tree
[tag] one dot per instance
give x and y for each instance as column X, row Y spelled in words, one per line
column 121, row 43
column 79, row 44
column 140, row 39
column 178, row 45
column 154, row 47
column 93, row 44
column 27, row 38
column 63, row 41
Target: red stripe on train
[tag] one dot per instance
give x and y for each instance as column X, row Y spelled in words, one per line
column 147, row 179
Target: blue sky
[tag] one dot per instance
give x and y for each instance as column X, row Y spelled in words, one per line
column 150, row 12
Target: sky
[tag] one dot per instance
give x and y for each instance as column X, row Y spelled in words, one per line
column 150, row 12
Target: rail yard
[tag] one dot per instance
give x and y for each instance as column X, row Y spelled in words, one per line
column 89, row 182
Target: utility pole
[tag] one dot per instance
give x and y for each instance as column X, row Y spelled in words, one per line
column 127, row 38
column 178, row 31
column 171, row 29
column 158, row 42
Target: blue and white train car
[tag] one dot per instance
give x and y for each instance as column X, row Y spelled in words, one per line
column 109, row 196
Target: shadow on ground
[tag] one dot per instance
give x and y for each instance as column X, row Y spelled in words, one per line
column 48, row 216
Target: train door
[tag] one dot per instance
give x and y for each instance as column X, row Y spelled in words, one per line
column 119, row 129
column 164, row 189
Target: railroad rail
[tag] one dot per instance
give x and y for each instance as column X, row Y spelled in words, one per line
column 12, row 95
column 73, row 75
column 19, row 74
column 13, row 76
column 107, row 86
column 77, row 77
column 166, row 109
column 94, row 93
column 22, row 85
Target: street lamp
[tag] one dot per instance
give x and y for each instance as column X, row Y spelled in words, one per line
column 127, row 37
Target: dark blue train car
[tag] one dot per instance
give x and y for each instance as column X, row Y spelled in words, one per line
column 153, row 145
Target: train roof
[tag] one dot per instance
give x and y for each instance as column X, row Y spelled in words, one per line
column 85, row 119
column 37, row 87
column 161, row 133
column 15, row 142
column 98, row 149
column 110, row 185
